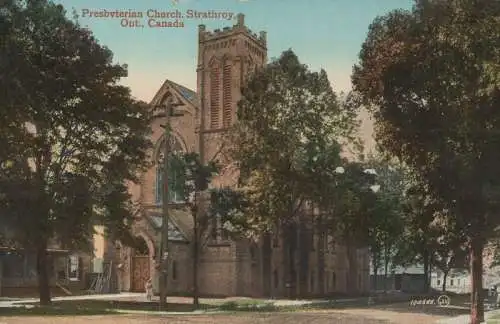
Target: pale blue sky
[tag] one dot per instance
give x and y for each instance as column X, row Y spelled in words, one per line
column 324, row 34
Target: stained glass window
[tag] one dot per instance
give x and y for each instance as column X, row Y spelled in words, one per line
column 175, row 177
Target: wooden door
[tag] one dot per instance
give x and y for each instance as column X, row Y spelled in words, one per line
column 140, row 272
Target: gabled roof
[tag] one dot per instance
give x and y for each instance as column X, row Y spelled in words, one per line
column 186, row 93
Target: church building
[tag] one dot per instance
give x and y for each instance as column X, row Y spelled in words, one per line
column 228, row 267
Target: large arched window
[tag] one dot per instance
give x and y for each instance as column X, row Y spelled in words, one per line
column 175, row 175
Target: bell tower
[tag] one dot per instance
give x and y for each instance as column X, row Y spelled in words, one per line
column 225, row 59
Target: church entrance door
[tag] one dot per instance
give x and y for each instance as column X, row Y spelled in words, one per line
column 141, row 269
column 140, row 272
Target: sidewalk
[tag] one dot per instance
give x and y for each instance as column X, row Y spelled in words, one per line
column 464, row 319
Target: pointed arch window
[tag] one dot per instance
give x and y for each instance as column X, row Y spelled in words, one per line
column 175, row 174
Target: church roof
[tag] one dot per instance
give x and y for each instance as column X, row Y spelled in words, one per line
column 188, row 94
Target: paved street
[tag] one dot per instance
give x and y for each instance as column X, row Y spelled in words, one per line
column 325, row 317
column 394, row 313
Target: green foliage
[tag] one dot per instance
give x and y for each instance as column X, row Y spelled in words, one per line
column 431, row 76
column 386, row 215
column 230, row 206
column 351, row 202
column 290, row 123
column 194, row 176
column 207, row 205
column 73, row 135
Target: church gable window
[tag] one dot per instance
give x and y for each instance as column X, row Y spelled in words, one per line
column 175, row 175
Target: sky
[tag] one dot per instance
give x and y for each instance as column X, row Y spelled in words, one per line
column 324, row 34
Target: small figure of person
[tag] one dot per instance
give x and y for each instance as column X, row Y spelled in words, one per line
column 149, row 289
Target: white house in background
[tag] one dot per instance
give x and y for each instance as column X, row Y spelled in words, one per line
column 456, row 281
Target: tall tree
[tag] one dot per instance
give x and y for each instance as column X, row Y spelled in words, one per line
column 208, row 207
column 386, row 221
column 290, row 124
column 352, row 192
column 431, row 75
column 82, row 135
column 418, row 235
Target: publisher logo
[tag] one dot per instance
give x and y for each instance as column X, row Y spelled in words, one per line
column 440, row 301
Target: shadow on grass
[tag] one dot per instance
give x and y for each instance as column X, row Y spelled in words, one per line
column 249, row 306
column 52, row 311
column 95, row 307
column 456, row 308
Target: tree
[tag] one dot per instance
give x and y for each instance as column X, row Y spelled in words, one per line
column 450, row 250
column 418, row 236
column 430, row 75
column 206, row 208
column 386, row 221
column 290, row 124
column 79, row 136
column 349, row 210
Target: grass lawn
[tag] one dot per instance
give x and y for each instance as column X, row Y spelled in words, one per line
column 94, row 307
column 494, row 320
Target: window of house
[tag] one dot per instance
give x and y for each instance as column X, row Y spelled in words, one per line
column 174, row 270
column 438, row 282
column 74, row 268
column 458, row 282
column 275, row 279
column 451, row 282
column 334, row 280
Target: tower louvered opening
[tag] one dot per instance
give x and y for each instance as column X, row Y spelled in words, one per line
column 214, row 98
column 227, row 96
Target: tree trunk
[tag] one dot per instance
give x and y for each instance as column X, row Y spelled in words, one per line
column 43, row 274
column 196, row 252
column 426, row 271
column 303, row 247
column 352, row 285
column 477, row 307
column 196, row 263
column 289, row 248
column 386, row 270
column 268, row 289
column 375, row 270
column 445, row 276
column 320, row 250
